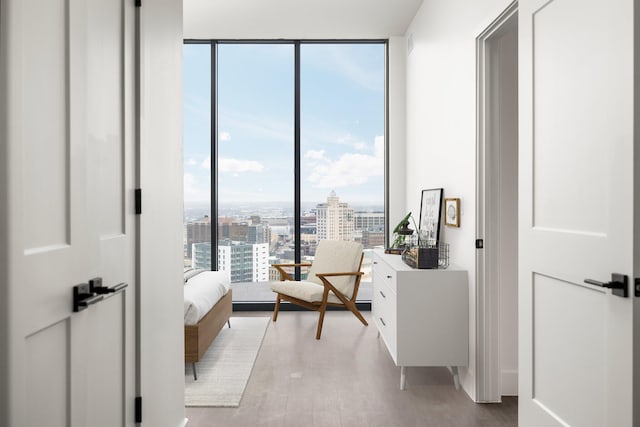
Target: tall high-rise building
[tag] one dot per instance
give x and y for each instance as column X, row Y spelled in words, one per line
column 334, row 220
column 197, row 232
column 245, row 262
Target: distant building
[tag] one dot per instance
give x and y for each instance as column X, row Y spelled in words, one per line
column 201, row 255
column 197, row 232
column 245, row 262
column 259, row 233
column 369, row 220
column 335, row 220
column 372, row 238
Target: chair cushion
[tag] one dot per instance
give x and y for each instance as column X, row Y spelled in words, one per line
column 304, row 290
column 336, row 256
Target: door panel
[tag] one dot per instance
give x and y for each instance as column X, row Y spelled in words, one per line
column 44, row 89
column 576, row 212
column 47, row 387
column 565, row 80
column 561, row 340
column 106, row 87
column 108, row 320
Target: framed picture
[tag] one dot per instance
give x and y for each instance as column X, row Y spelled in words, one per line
column 430, row 216
column 452, row 212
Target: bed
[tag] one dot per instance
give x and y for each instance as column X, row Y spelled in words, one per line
column 207, row 307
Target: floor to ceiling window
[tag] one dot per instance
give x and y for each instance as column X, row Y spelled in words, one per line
column 284, row 146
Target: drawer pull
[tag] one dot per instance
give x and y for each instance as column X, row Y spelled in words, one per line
column 388, row 277
column 375, row 262
column 382, row 321
column 383, row 295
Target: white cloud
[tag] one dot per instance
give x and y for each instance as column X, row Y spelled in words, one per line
column 314, row 154
column 224, row 136
column 192, row 162
column 234, row 166
column 239, row 165
column 349, row 169
column 193, row 192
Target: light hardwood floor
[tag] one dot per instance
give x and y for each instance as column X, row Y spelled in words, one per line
column 345, row 379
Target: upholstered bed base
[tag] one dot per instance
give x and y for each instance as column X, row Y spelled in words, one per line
column 198, row 337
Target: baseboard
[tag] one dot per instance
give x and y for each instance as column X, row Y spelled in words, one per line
column 509, row 382
column 468, row 382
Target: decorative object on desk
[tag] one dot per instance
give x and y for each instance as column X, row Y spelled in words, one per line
column 430, row 216
column 401, row 231
column 452, row 212
column 427, row 256
column 394, row 251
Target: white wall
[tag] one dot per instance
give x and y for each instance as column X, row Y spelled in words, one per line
column 397, row 130
column 441, row 123
column 4, row 225
column 161, row 335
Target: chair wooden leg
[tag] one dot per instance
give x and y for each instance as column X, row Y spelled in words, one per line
column 355, row 311
column 277, row 307
column 320, row 321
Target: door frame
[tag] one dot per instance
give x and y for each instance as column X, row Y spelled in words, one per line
column 488, row 372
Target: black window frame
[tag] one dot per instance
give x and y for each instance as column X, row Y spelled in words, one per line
column 214, row 43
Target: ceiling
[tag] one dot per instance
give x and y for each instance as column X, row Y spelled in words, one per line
column 297, row 19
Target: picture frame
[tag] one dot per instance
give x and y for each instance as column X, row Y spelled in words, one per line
column 430, row 216
column 452, row 212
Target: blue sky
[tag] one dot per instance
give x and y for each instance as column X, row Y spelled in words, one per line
column 342, row 122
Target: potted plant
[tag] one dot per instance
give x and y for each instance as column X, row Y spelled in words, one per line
column 401, row 231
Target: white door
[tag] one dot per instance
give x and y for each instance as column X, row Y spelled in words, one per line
column 69, row 114
column 576, row 212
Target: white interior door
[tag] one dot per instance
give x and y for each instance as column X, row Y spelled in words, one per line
column 576, row 212
column 70, row 142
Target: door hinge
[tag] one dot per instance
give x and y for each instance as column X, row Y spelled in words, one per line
column 479, row 243
column 138, row 201
column 138, row 3
column 138, row 410
column 637, row 287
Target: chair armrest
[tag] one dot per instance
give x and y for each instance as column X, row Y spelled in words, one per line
column 304, row 264
column 350, row 273
column 328, row 286
column 283, row 274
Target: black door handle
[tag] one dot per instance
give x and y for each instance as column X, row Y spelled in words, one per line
column 83, row 297
column 90, row 293
column 96, row 286
column 619, row 284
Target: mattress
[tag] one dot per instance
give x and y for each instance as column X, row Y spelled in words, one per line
column 202, row 292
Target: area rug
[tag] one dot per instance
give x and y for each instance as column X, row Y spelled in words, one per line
column 224, row 370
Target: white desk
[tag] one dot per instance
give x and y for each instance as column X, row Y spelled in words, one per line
column 422, row 315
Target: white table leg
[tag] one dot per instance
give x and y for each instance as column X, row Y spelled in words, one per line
column 456, row 377
column 403, row 377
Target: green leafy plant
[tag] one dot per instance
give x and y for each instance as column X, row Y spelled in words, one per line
column 402, row 230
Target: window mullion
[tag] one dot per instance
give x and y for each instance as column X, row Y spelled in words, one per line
column 297, row 168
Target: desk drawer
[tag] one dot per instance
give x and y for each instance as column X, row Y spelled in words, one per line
column 384, row 272
column 383, row 310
